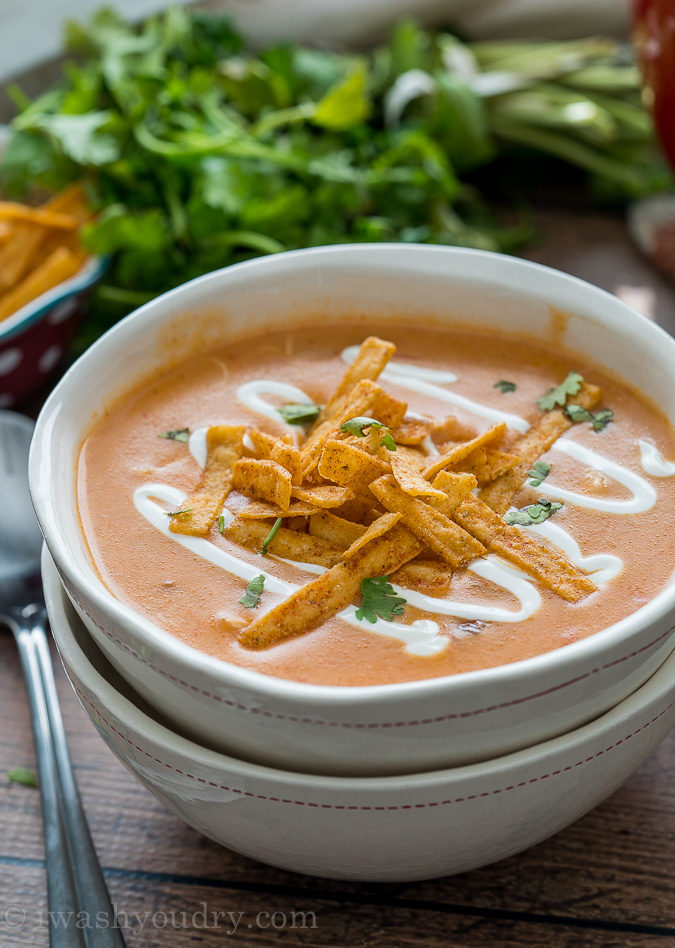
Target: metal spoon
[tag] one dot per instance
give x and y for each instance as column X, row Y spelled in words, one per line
column 75, row 881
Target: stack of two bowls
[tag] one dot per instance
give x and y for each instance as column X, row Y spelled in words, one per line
column 385, row 782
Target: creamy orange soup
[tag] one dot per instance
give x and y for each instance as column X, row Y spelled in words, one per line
column 614, row 526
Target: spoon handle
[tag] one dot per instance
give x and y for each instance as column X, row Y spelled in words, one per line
column 94, row 899
column 61, row 896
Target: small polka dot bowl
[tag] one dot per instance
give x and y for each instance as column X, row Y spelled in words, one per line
column 34, row 339
column 374, row 829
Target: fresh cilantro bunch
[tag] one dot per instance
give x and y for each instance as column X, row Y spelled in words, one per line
column 199, row 154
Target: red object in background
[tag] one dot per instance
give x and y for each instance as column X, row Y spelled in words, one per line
column 655, row 42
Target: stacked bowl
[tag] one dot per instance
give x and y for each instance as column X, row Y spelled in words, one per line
column 387, row 782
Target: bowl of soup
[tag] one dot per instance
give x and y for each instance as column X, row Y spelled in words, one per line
column 383, row 829
column 370, row 510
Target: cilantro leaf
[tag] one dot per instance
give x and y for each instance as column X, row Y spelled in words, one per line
column 270, row 536
column 221, row 524
column 534, row 513
column 180, row 434
column 347, row 103
column 388, row 442
column 379, row 599
column 356, row 426
column 540, row 471
column 599, row 419
column 296, row 414
column 251, row 597
column 558, row 395
column 23, row 776
column 177, row 513
column 505, row 386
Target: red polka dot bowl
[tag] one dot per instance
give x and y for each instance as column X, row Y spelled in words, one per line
column 382, row 829
column 34, row 340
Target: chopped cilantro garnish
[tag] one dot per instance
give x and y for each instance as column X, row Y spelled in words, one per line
column 540, row 471
column 23, row 776
column 535, row 513
column 558, row 395
column 388, row 442
column 221, row 524
column 599, row 419
column 270, row 536
column 379, row 599
column 505, row 386
column 177, row 513
column 356, row 426
column 251, row 597
column 180, row 434
column 295, row 414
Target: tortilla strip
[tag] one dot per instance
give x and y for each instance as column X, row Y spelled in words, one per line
column 289, row 544
column 454, row 488
column 263, row 480
column 224, row 444
column 412, row 431
column 357, row 402
column 13, row 211
column 372, row 357
column 6, row 231
column 332, row 592
column 377, row 529
column 487, row 463
column 349, row 466
column 363, row 509
column 335, row 530
column 438, row 532
column 282, row 450
column 451, row 429
column 462, row 451
column 406, row 466
column 257, row 510
column 532, row 445
column 59, row 266
column 549, row 566
column 324, row 495
column 430, row 577
column 389, row 410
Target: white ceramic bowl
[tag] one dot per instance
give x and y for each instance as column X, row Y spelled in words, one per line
column 386, row 829
column 381, row 729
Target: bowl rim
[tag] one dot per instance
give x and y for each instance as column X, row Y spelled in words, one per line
column 91, row 271
column 160, row 733
column 588, row 650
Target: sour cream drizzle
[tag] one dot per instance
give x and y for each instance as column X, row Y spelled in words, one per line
column 653, row 462
column 423, row 637
column 422, row 380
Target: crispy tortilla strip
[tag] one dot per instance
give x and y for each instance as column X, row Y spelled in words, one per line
column 454, row 487
column 341, row 533
column 357, row 402
column 532, row 445
column 431, row 577
column 324, row 495
column 363, row 509
column 349, row 466
column 224, row 444
column 389, row 410
column 412, row 431
column 333, row 591
column 368, row 364
column 487, row 463
column 13, row 211
column 289, row 544
column 406, row 466
column 263, row 480
column 549, row 566
column 451, row 429
column 282, row 450
column 59, row 266
column 257, row 510
column 433, row 528
column 462, row 451
column 377, row 529
column 6, row 231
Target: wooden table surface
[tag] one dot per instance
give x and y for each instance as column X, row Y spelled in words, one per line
column 609, row 880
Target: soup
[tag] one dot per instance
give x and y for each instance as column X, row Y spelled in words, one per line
column 327, row 506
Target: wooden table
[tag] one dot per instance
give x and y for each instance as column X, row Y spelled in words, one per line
column 609, row 880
